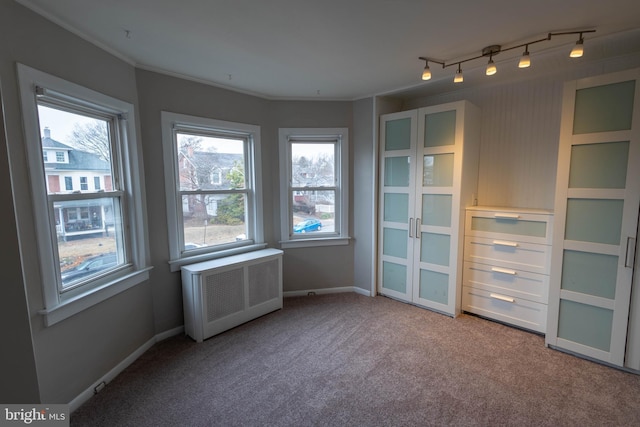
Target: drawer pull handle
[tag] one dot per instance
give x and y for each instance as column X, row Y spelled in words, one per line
column 502, row 298
column 505, row 243
column 506, row 216
column 503, row 270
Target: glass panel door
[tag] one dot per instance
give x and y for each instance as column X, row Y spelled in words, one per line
column 598, row 196
column 398, row 136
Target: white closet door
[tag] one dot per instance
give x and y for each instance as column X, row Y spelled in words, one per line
column 597, row 202
column 397, row 204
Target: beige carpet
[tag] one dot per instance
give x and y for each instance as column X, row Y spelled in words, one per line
column 350, row 360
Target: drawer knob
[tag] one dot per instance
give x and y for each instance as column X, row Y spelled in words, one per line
column 502, row 298
column 504, row 270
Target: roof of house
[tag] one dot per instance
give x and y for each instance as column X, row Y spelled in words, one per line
column 78, row 160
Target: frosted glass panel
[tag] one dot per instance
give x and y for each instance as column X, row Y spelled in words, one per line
column 604, row 108
column 589, row 273
column 436, row 209
column 434, row 248
column 396, row 171
column 396, row 207
column 599, row 165
column 594, row 220
column 510, row 226
column 398, row 134
column 434, row 286
column 394, row 277
column 585, row 324
column 440, row 129
column 394, row 242
column 437, row 170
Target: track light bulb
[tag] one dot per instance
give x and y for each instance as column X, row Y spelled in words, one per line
column 525, row 60
column 459, row 78
column 426, row 73
column 491, row 67
column 578, row 49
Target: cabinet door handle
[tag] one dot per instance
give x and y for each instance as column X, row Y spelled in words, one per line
column 630, row 254
column 505, row 243
column 504, row 270
column 410, row 227
column 506, row 216
column 502, row 298
column 417, row 228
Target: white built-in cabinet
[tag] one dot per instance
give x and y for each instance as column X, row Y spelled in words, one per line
column 428, row 176
column 507, row 259
column 592, row 308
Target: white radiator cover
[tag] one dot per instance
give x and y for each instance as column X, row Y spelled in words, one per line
column 223, row 293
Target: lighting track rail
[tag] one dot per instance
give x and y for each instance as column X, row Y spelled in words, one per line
column 491, row 51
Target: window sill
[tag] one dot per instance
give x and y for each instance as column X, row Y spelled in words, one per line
column 79, row 303
column 176, row 264
column 307, row 243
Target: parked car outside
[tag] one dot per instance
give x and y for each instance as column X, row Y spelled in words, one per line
column 307, row 225
column 92, row 265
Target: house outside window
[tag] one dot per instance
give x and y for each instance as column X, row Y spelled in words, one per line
column 314, row 186
column 75, row 230
column 96, row 183
column 214, row 197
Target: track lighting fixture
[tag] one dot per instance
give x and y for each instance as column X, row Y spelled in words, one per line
column 459, row 78
column 525, row 60
column 491, row 51
column 426, row 73
column 578, row 49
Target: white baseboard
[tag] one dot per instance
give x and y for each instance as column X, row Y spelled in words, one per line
column 109, row 376
column 326, row 291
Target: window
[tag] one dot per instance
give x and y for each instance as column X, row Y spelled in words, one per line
column 96, row 183
column 45, row 156
column 313, row 187
column 213, row 193
column 91, row 245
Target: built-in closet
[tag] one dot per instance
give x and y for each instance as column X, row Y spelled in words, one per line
column 428, row 176
column 593, row 309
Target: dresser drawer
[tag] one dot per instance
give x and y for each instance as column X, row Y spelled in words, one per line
column 515, row 311
column 515, row 283
column 533, row 226
column 513, row 254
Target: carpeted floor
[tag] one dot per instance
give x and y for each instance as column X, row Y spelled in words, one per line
column 350, row 360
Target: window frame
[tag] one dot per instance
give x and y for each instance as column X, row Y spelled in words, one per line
column 174, row 122
column 59, row 305
column 341, row 170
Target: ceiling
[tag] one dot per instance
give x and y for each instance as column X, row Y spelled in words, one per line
column 334, row 49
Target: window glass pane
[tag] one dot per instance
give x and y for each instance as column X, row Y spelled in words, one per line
column 312, row 164
column 398, row 134
column 437, row 170
column 590, row 273
column 509, row 226
column 210, row 163
column 395, row 242
column 394, row 276
column 604, row 108
column 314, row 211
column 90, row 238
column 434, row 248
column 440, row 129
column 213, row 219
column 585, row 324
column 82, row 145
column 599, row 165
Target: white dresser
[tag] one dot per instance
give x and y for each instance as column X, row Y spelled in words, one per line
column 507, row 257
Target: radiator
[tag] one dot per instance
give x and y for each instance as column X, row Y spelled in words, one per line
column 223, row 293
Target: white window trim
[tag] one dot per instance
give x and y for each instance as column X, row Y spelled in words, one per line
column 171, row 120
column 56, row 308
column 341, row 237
